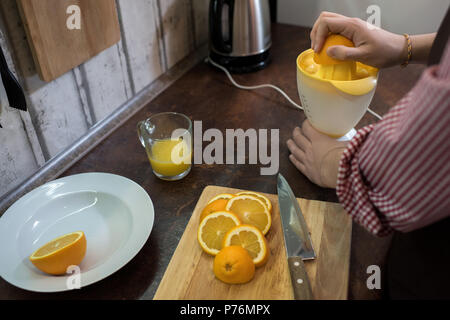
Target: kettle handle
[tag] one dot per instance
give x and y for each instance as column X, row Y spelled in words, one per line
column 215, row 24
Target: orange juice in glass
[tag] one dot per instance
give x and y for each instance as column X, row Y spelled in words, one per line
column 167, row 139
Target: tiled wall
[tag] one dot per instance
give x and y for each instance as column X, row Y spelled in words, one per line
column 156, row 34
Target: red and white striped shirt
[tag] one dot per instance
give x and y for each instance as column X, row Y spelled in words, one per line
column 395, row 175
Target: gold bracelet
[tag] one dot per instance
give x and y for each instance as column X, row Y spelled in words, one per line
column 409, row 47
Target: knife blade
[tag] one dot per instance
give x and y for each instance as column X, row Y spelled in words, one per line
column 296, row 238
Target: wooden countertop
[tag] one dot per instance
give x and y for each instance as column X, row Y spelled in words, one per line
column 205, row 94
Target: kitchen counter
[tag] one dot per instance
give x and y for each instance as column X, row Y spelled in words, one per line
column 204, row 93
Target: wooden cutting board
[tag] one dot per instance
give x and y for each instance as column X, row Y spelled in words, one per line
column 56, row 48
column 190, row 276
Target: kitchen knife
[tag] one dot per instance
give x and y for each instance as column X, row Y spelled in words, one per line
column 14, row 91
column 296, row 239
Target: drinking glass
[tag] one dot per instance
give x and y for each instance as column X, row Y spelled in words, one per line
column 167, row 139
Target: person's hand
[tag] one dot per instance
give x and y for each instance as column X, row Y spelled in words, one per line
column 316, row 155
column 373, row 46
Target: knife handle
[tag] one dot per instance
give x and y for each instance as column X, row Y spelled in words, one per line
column 299, row 279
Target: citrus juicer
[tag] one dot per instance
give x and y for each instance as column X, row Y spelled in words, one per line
column 335, row 96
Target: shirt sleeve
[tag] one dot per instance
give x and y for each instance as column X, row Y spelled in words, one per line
column 395, row 175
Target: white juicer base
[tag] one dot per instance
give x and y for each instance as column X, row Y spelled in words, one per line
column 348, row 136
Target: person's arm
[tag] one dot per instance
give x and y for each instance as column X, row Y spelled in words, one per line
column 373, row 46
column 316, row 155
column 396, row 174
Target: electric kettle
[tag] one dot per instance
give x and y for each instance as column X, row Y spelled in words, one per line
column 239, row 34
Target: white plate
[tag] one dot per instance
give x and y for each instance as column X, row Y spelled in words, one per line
column 115, row 213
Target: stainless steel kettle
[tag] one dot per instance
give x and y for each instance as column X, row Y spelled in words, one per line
column 239, row 34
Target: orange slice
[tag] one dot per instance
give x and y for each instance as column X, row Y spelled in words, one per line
column 57, row 255
column 251, row 239
column 217, row 205
column 259, row 196
column 226, row 196
column 251, row 210
column 213, row 228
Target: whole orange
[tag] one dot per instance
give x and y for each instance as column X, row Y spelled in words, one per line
column 216, row 205
column 234, row 265
column 332, row 40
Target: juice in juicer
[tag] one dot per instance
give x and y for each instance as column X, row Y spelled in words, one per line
column 335, row 94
